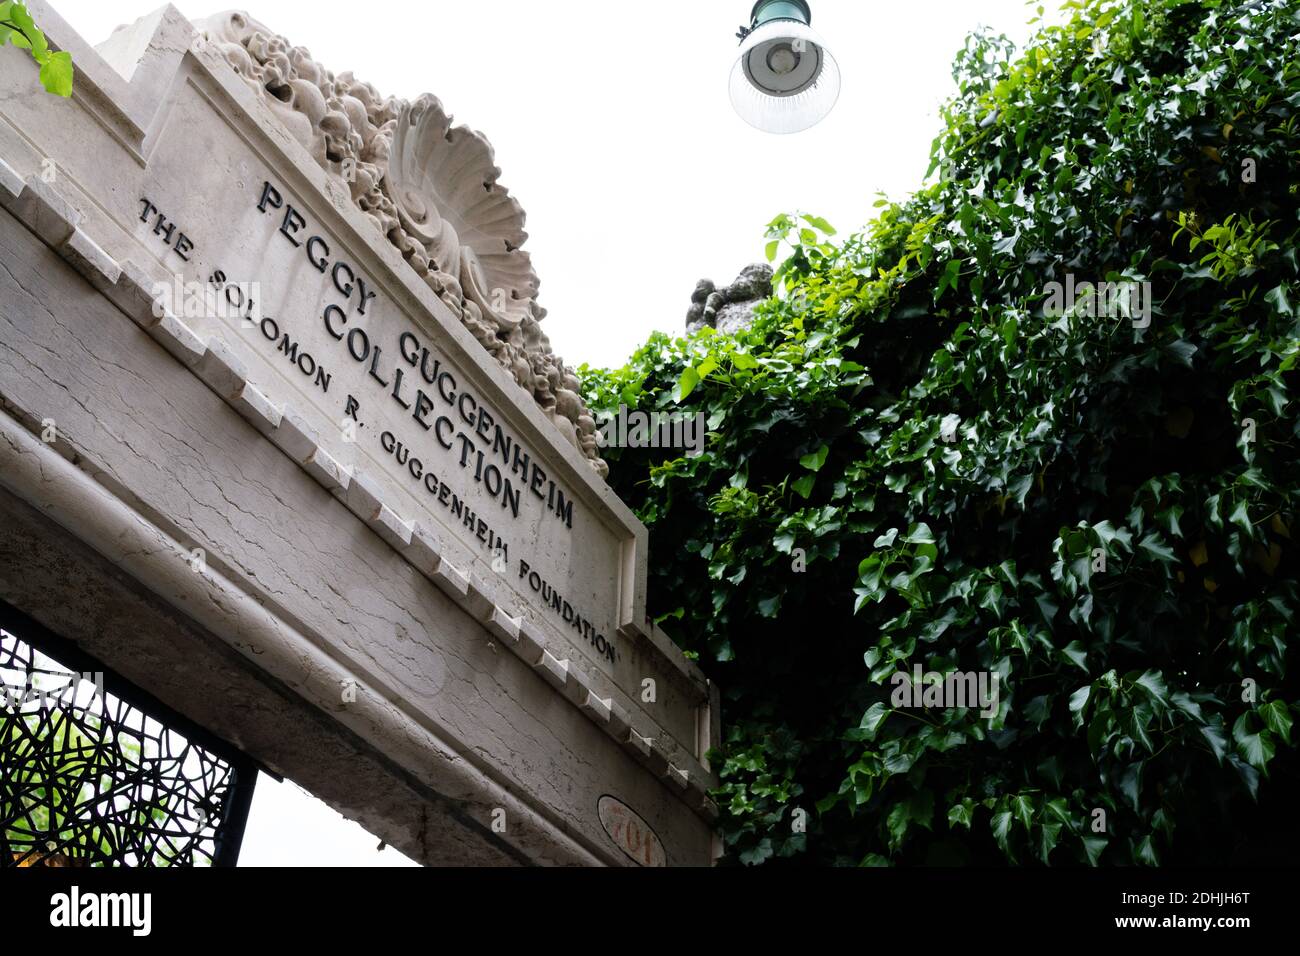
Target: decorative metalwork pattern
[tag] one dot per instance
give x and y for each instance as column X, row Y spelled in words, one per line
column 89, row 779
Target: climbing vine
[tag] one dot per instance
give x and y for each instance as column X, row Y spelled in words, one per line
column 913, row 463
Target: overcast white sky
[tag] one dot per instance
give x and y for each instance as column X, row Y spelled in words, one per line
column 613, row 127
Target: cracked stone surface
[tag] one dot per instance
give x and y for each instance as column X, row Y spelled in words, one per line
column 204, row 477
column 298, row 593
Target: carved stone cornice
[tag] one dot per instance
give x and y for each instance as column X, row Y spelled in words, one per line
column 431, row 188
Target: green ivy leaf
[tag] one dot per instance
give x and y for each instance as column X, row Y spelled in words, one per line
column 1075, row 653
column 1049, row 835
column 757, row 854
column 872, row 720
column 56, row 73
column 1000, row 824
column 1078, row 702
column 814, row 460
column 1093, row 847
column 962, row 814
column 1022, row 807
column 1216, row 738
column 1153, row 683
column 817, row 222
column 1277, row 718
column 898, row 822
column 1255, row 748
column 686, row 384
column 1145, row 852
column 1155, row 546
column 1278, row 298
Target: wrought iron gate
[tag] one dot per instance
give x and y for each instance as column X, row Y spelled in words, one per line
column 95, row 772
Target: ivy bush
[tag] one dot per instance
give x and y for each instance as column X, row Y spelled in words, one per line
column 911, row 461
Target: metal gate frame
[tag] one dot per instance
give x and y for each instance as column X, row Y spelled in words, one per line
column 238, row 791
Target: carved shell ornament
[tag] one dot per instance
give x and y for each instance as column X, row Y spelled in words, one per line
column 444, row 184
column 431, row 188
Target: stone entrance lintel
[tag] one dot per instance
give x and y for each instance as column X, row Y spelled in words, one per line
column 323, row 564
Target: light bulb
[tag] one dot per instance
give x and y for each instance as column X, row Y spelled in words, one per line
column 784, row 79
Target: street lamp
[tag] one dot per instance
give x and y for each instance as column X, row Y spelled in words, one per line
column 785, row 79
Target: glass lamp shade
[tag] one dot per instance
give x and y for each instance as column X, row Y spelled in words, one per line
column 785, row 80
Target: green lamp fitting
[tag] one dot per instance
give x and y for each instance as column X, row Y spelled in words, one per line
column 765, row 11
